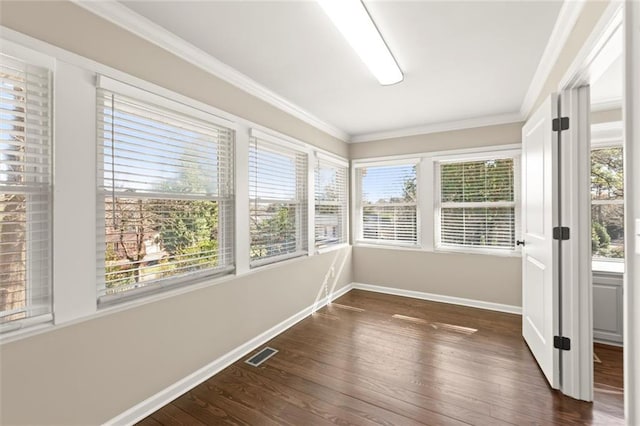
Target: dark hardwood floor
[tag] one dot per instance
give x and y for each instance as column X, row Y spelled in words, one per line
column 377, row 359
column 608, row 378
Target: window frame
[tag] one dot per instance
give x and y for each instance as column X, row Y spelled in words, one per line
column 603, row 136
column 303, row 242
column 37, row 59
column 225, row 246
column 358, row 211
column 486, row 155
column 336, row 162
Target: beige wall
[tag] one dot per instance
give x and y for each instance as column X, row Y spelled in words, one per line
column 606, row 116
column 458, row 139
column 90, row 372
column 472, row 276
column 66, row 25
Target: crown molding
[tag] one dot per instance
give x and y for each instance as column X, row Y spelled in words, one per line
column 120, row 15
column 606, row 104
column 567, row 18
column 490, row 120
column 601, row 48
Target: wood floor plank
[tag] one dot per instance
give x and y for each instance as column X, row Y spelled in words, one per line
column 336, row 397
column 149, row 421
column 367, row 390
column 448, row 399
column 375, row 359
column 170, row 415
column 333, row 413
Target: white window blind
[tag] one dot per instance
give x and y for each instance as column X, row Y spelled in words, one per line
column 478, row 204
column 25, row 193
column 388, row 203
column 167, row 196
column 331, row 203
column 278, row 202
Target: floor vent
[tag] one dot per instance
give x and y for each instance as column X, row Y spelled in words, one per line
column 261, row 356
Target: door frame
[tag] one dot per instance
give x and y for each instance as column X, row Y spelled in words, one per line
column 575, row 268
column 631, row 110
column 577, row 303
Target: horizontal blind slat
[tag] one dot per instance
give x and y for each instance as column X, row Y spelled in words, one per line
column 388, row 203
column 330, row 218
column 25, row 188
column 167, row 185
column 278, row 201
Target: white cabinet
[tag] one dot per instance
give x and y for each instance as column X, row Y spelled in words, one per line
column 607, row 307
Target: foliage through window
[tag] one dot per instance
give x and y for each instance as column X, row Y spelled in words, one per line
column 388, row 203
column 607, row 203
column 167, row 187
column 278, row 202
column 25, row 190
column 330, row 203
column 477, row 204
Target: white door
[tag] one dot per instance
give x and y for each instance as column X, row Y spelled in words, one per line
column 539, row 261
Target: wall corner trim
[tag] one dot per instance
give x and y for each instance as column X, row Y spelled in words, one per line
column 158, row 400
column 491, row 306
column 122, row 16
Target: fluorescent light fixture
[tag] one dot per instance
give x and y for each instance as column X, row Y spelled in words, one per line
column 355, row 24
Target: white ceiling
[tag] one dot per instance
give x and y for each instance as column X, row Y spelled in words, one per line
column 607, row 89
column 461, row 60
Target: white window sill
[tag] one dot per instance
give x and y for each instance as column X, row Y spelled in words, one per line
column 22, row 328
column 608, row 266
column 479, row 251
column 388, row 245
column 331, row 248
column 446, row 250
column 260, row 263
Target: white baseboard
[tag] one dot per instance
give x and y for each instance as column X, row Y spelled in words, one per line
column 608, row 342
column 440, row 298
column 160, row 399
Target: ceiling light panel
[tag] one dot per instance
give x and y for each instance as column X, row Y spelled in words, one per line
column 356, row 25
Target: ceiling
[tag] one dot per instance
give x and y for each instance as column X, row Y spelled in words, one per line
column 461, row 60
column 606, row 90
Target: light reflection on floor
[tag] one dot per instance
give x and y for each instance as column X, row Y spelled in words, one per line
column 437, row 325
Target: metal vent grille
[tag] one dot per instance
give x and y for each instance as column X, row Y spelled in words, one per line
column 261, row 356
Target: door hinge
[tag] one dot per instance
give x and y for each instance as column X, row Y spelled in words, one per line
column 559, row 124
column 561, row 233
column 562, row 343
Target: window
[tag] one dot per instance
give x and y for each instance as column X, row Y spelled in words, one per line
column 477, row 204
column 167, row 195
column 607, row 204
column 330, row 203
column 25, row 192
column 278, row 201
column 387, row 205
